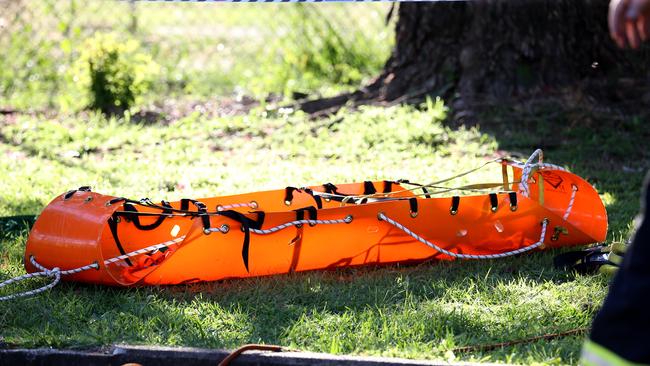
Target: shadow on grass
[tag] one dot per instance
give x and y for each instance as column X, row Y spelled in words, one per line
column 12, row 225
column 429, row 301
column 607, row 144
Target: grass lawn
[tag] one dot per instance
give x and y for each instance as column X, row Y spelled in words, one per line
column 422, row 311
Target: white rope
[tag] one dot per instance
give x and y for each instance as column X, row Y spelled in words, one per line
column 526, row 170
column 56, row 272
column 251, row 204
column 346, row 220
column 528, row 167
column 422, row 240
column 574, row 189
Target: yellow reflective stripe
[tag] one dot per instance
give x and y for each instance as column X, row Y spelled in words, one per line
column 594, row 354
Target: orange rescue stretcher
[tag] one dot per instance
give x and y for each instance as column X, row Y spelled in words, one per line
column 89, row 237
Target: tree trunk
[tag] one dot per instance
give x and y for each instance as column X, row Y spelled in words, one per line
column 495, row 49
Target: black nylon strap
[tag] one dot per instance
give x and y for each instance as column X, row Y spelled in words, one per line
column 330, row 188
column 116, row 200
column 513, row 200
column 388, row 186
column 288, row 194
column 246, row 224
column 311, row 210
column 455, row 202
column 369, row 188
column 185, row 203
column 494, row 201
column 203, row 212
column 317, row 198
column 112, row 225
column 413, row 205
column 70, row 193
column 136, row 219
column 426, row 193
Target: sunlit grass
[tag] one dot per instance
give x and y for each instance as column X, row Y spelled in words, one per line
column 422, row 311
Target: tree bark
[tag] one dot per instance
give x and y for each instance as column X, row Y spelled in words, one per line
column 495, row 49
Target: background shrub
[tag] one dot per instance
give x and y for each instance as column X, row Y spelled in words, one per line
column 111, row 75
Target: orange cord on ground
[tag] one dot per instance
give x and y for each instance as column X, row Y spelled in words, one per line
column 250, row 347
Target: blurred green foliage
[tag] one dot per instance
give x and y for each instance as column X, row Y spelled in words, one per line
column 318, row 50
column 110, row 74
column 203, row 51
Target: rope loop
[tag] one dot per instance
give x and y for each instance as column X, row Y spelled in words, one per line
column 54, row 273
column 528, row 168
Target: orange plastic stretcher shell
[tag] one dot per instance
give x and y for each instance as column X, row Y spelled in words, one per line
column 75, row 229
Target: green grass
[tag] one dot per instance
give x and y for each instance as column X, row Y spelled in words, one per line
column 422, row 311
column 204, row 50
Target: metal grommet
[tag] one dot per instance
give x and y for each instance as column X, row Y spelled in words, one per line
column 88, row 199
column 379, row 215
column 254, row 205
column 327, row 199
column 118, row 219
column 453, row 212
column 545, row 221
column 219, row 208
column 108, row 203
column 493, row 209
column 414, row 214
column 513, row 208
column 348, row 219
column 206, row 231
column 96, row 263
column 288, row 203
column 224, row 228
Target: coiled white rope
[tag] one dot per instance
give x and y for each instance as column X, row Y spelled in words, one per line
column 422, row 240
column 528, row 167
column 56, row 272
column 526, row 170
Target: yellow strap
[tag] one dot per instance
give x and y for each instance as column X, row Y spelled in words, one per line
column 594, row 354
column 504, row 174
column 540, row 186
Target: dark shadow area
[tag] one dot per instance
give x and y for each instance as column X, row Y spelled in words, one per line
column 601, row 139
column 14, row 224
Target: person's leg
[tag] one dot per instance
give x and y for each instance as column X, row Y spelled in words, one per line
column 621, row 330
